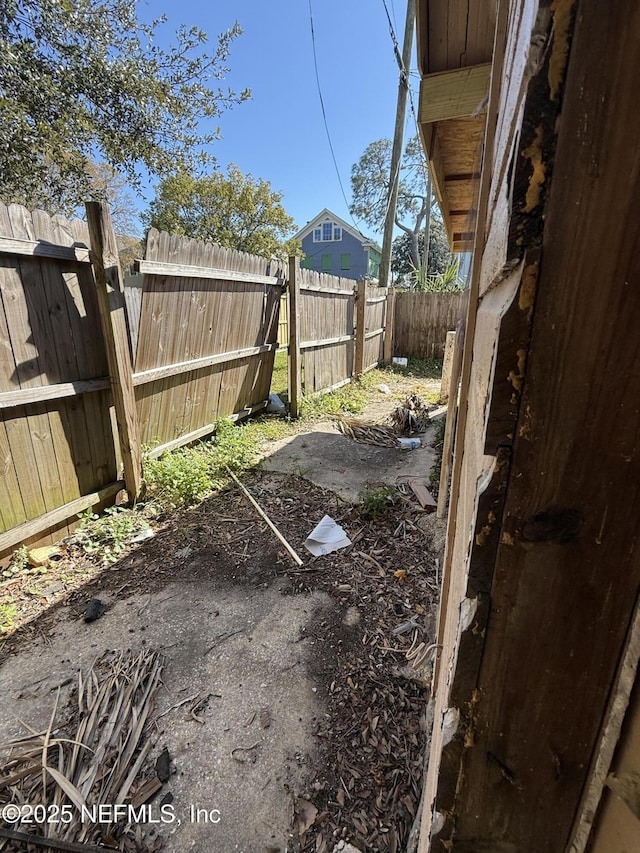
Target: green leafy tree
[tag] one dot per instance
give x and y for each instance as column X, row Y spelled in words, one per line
column 235, row 210
column 84, row 80
column 370, row 187
column 439, row 255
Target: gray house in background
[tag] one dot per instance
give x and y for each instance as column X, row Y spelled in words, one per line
column 333, row 246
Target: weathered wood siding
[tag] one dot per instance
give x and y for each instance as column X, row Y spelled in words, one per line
column 53, row 449
column 541, row 574
column 422, row 321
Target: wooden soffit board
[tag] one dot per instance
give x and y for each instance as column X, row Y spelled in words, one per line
column 453, row 148
column 454, row 94
column 454, row 33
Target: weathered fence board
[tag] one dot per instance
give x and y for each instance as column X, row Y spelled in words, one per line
column 422, row 320
column 207, row 335
column 374, row 327
column 327, row 320
column 56, row 443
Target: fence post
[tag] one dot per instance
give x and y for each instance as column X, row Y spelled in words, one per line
column 361, row 307
column 295, row 364
column 446, row 366
column 449, row 431
column 111, row 302
column 388, row 324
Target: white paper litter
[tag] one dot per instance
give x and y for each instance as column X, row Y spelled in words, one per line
column 326, row 537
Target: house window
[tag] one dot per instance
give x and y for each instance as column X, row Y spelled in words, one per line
column 307, row 263
column 326, row 263
column 327, row 232
column 345, row 261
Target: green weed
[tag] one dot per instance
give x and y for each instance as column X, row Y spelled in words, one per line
column 187, row 475
column 376, row 500
column 108, row 535
column 8, row 613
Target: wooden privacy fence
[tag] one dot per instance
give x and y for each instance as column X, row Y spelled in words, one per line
column 422, row 321
column 73, row 409
column 207, row 340
column 336, row 331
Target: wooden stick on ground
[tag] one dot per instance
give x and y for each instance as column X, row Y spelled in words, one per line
column 266, row 518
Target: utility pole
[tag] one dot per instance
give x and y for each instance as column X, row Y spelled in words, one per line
column 396, row 153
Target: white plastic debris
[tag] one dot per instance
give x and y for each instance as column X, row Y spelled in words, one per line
column 147, row 533
column 275, row 405
column 327, row 536
column 383, row 388
column 409, row 443
column 402, row 362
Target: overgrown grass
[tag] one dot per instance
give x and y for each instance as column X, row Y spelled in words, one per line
column 185, row 476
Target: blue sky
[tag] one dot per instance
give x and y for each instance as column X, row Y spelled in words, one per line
column 279, row 135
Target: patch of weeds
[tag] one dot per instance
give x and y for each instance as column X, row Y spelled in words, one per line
column 376, row 500
column 269, row 427
column 298, row 470
column 417, row 368
column 234, row 447
column 107, row 536
column 179, row 477
column 351, row 398
column 8, row 613
column 187, row 475
column 19, row 565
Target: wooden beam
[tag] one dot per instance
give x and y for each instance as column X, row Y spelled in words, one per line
column 361, row 307
column 388, row 324
column 461, row 176
column 111, row 302
column 449, row 432
column 373, row 333
column 325, row 342
column 295, row 358
column 189, row 271
column 336, row 291
column 376, row 299
column 45, row 393
column 40, row 249
column 453, row 94
column 10, row 538
column 436, row 170
column 155, row 373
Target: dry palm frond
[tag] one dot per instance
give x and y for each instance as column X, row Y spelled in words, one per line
column 383, row 436
column 411, row 416
column 101, row 761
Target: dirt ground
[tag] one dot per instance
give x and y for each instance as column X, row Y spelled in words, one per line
column 291, row 714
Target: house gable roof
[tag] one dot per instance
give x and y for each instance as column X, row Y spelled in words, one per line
column 329, row 214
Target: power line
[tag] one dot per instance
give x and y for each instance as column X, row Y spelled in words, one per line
column 324, row 116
